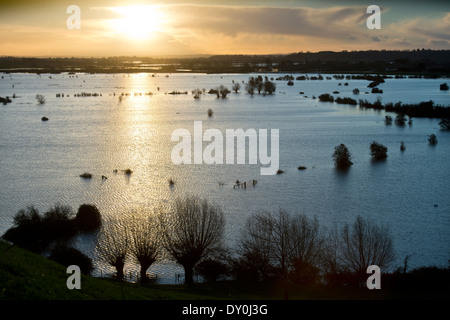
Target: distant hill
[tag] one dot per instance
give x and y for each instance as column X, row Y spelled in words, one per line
column 419, row 61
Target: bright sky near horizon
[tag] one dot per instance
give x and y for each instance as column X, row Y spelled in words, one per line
column 155, row 28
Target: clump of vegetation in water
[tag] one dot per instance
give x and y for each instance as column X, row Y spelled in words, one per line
column 40, row 98
column 432, row 139
column 378, row 151
column 342, row 156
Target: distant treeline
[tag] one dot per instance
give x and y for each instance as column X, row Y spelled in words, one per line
column 420, row 61
column 425, row 109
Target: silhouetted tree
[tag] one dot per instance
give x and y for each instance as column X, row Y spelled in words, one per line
column 211, row 269
column 236, row 87
column 282, row 245
column 269, row 87
column 222, row 91
column 250, row 88
column 445, row 124
column 26, row 231
column 58, row 223
column 112, row 245
column 378, row 151
column 365, row 243
column 341, row 157
column 388, row 120
column 400, row 119
column 145, row 246
column 326, row 97
column 197, row 93
column 432, row 139
column 191, row 231
column 88, row 218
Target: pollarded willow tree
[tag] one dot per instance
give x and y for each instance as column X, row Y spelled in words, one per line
column 145, row 242
column 113, row 245
column 191, row 231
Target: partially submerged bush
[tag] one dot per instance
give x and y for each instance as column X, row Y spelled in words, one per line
column 40, row 98
column 445, row 124
column 326, row 97
column 35, row 232
column 378, row 151
column 400, row 119
column 388, row 120
column 432, row 139
column 350, row 101
column 211, row 269
column 341, row 157
column 88, row 218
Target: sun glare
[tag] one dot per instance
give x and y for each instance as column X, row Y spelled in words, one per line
column 137, row 22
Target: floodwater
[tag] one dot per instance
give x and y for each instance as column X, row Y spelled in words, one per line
column 41, row 161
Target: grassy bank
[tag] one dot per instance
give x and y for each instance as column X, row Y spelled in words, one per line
column 28, row 276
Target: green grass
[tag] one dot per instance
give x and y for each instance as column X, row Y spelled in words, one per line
column 28, row 276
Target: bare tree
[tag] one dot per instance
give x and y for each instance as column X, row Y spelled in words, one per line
column 365, row 243
column 191, row 231
column 282, row 242
column 255, row 245
column 330, row 261
column 307, row 245
column 145, row 242
column 112, row 245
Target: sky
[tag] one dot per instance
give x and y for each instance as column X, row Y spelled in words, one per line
column 177, row 28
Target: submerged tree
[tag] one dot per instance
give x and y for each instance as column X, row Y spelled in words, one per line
column 269, row 87
column 378, row 151
column 341, row 157
column 236, row 87
column 193, row 230
column 445, row 124
column 432, row 139
column 222, row 91
column 40, row 98
column 388, row 120
column 400, row 119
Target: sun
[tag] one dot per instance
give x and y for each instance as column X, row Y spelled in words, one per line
column 137, row 22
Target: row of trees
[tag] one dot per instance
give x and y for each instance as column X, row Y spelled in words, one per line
column 258, row 84
column 274, row 246
column 189, row 232
column 254, row 84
